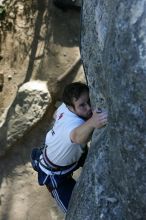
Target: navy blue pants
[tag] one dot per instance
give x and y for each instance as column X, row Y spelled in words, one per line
column 60, row 186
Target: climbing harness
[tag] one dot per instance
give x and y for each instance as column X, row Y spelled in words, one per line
column 39, row 154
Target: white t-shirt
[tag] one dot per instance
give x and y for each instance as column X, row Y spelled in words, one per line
column 61, row 150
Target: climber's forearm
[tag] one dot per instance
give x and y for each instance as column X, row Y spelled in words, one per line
column 82, row 134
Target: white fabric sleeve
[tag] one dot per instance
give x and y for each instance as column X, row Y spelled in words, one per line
column 71, row 126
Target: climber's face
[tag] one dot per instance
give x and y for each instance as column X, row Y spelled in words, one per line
column 82, row 106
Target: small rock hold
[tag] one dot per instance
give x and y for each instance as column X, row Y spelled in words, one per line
column 12, row 15
column 9, row 77
column 101, row 216
column 21, row 7
column 112, row 200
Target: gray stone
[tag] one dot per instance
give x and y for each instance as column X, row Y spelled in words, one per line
column 112, row 185
column 28, row 108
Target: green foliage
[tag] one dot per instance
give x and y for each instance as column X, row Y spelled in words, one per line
column 2, row 12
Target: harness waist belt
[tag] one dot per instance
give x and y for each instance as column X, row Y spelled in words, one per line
column 54, row 166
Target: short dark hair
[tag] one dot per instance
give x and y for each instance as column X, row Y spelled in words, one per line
column 73, row 90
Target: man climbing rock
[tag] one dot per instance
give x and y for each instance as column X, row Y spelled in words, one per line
column 65, row 145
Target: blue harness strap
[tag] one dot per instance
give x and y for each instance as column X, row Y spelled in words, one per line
column 35, row 157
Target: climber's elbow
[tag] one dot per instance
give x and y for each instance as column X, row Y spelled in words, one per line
column 78, row 138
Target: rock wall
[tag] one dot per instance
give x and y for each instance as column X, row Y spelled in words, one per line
column 31, row 103
column 113, row 47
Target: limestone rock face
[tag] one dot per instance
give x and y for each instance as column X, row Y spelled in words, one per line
column 112, row 185
column 28, row 108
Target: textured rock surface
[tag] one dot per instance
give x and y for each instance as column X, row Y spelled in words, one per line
column 113, row 46
column 28, row 108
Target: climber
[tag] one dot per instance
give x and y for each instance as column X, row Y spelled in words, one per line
column 66, row 143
